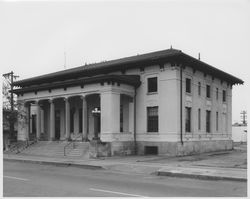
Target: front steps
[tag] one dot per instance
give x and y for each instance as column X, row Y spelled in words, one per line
column 56, row 149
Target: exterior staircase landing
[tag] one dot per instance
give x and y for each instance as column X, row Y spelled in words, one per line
column 56, row 149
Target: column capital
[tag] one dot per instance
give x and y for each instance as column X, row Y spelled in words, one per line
column 83, row 97
column 51, row 100
column 66, row 99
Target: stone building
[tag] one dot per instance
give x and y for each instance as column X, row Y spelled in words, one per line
column 165, row 102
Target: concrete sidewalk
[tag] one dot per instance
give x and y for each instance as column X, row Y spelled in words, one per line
column 139, row 164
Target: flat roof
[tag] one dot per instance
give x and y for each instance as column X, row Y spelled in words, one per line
column 169, row 55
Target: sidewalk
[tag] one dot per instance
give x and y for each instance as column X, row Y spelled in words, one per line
column 165, row 166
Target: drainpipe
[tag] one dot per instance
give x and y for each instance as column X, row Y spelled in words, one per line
column 181, row 104
column 135, row 144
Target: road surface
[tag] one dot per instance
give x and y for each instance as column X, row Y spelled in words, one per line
column 28, row 179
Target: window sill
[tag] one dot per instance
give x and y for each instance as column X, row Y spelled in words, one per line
column 152, row 133
column 152, row 93
column 189, row 94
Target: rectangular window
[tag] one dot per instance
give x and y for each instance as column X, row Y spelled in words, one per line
column 199, row 88
column 208, row 91
column 224, row 96
column 208, row 119
column 188, row 85
column 121, row 118
column 188, row 119
column 152, row 117
column 217, row 121
column 152, row 84
column 217, row 93
column 199, row 119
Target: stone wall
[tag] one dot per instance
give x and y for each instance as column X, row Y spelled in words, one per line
column 188, row 148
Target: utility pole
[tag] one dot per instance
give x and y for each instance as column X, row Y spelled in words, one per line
column 10, row 76
column 244, row 117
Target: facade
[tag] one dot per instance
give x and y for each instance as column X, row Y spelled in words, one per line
column 239, row 133
column 165, row 102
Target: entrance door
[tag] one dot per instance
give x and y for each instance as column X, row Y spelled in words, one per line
column 57, row 124
column 32, row 135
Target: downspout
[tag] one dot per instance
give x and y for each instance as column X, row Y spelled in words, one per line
column 135, row 144
column 181, row 104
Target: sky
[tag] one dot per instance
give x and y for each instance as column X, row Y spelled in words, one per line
column 37, row 36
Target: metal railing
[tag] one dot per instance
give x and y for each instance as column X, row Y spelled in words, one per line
column 20, row 146
column 72, row 142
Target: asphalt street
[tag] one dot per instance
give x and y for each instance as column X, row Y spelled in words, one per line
column 28, row 179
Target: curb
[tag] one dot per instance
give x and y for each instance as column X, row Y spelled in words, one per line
column 65, row 164
column 197, row 176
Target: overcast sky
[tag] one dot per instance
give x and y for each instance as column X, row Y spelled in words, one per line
column 35, row 35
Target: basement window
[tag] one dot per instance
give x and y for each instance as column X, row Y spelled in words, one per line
column 151, row 150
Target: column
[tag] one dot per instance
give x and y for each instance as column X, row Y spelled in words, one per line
column 28, row 120
column 131, row 116
column 84, row 118
column 110, row 115
column 76, row 121
column 38, row 120
column 52, row 120
column 67, row 118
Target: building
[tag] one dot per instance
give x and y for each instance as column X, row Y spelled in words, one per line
column 239, row 133
column 132, row 105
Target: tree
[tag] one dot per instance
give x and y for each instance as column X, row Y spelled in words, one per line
column 9, row 103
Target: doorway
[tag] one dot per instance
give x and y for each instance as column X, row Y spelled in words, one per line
column 57, row 124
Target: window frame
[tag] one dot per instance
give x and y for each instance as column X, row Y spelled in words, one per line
column 217, row 120
column 224, row 96
column 199, row 119
column 208, row 121
column 152, row 121
column 149, row 85
column 188, row 111
column 208, row 91
column 188, row 85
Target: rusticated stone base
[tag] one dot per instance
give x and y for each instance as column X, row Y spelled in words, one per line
column 188, row 148
column 105, row 149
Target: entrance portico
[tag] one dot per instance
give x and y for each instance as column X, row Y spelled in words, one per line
column 69, row 113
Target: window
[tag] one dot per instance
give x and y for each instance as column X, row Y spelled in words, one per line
column 188, row 85
column 199, row 119
column 152, row 84
column 188, row 119
column 121, row 118
column 217, row 93
column 224, row 96
column 208, row 91
column 152, row 116
column 199, row 88
column 208, row 119
column 217, row 121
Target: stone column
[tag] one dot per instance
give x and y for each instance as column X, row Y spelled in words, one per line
column 28, row 121
column 110, row 115
column 38, row 120
column 131, row 116
column 84, row 119
column 67, row 118
column 52, row 120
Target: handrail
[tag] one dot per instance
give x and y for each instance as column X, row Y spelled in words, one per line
column 72, row 142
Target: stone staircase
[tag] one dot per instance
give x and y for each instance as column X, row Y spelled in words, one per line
column 56, row 149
